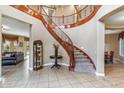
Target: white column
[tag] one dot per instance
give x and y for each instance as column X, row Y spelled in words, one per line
column 31, row 49
column 0, row 46
column 100, row 49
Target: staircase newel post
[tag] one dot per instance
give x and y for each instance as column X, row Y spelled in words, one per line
column 72, row 62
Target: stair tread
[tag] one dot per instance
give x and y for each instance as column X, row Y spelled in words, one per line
column 82, row 59
column 80, row 56
column 83, row 63
column 86, row 60
column 77, row 51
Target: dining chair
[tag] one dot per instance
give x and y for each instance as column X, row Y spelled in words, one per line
column 111, row 56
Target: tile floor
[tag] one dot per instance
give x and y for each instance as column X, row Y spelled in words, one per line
column 20, row 77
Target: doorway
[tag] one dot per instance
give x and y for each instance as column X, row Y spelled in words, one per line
column 113, row 48
column 15, row 47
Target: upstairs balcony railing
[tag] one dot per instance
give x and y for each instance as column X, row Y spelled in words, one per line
column 69, row 19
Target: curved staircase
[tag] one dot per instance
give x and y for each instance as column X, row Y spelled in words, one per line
column 77, row 56
column 83, row 63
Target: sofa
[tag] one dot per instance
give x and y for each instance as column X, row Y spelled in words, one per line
column 12, row 58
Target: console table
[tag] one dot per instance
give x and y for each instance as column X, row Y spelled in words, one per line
column 56, row 61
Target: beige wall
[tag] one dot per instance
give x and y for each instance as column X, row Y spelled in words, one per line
column 112, row 44
column 11, row 46
column 17, row 48
column 24, row 47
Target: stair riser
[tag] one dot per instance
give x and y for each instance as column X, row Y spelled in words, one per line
column 82, row 59
column 82, row 56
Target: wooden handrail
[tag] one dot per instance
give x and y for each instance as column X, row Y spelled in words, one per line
column 62, row 31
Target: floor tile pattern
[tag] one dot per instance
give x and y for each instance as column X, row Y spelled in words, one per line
column 20, row 77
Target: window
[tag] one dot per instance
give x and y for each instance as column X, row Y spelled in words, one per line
column 6, row 46
column 122, row 47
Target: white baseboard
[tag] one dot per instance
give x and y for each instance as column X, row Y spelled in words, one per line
column 100, row 74
column 30, row 68
column 49, row 64
column 65, row 64
column 1, row 78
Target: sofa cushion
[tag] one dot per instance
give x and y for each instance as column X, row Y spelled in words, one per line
column 13, row 55
column 7, row 55
column 13, row 58
column 8, row 58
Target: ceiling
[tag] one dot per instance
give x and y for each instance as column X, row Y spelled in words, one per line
column 14, row 27
column 114, row 21
column 117, row 18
